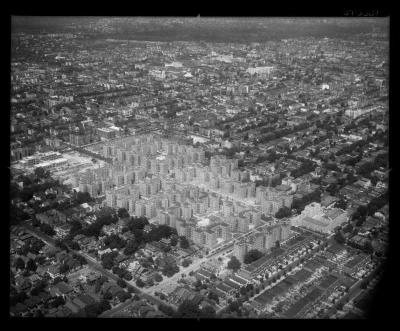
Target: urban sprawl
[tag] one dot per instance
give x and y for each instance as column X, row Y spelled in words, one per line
column 197, row 179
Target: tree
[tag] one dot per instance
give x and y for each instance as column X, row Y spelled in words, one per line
column 364, row 284
column 82, row 197
column 123, row 296
column 58, row 301
column 118, row 271
column 131, row 247
column 137, row 223
column 360, row 221
column 174, row 241
column 339, row 238
column 283, row 212
column 188, row 309
column 198, row 284
column 159, row 232
column 140, row 283
column 92, row 310
column 360, row 213
column 158, row 277
column 249, row 287
column 19, row 264
column 47, row 229
column 342, row 204
column 234, row 264
column 184, row 243
column 170, row 269
column 74, row 245
column 185, row 263
column 31, row 265
column 37, row 245
column 107, row 260
column 114, row 241
column 107, row 296
column 234, row 306
column 208, row 312
column 127, row 276
column 64, row 268
column 167, row 310
column 104, row 305
column 35, row 222
column 41, row 173
column 98, row 283
column 348, row 228
column 252, row 256
column 213, row 296
column 121, row 283
column 75, row 229
column 61, row 244
column 18, row 297
column 38, row 314
column 340, row 306
column 24, row 250
column 123, row 213
column 368, row 247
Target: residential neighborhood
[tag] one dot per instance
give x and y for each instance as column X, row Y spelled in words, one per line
column 175, row 176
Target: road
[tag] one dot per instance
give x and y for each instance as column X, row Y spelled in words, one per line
column 196, row 265
column 113, row 311
column 231, row 242
column 168, row 284
column 82, row 150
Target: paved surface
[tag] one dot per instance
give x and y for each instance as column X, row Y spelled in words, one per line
column 168, row 284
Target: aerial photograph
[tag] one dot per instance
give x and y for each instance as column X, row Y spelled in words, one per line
column 198, row 167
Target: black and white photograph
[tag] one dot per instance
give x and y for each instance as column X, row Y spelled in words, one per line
column 198, row 167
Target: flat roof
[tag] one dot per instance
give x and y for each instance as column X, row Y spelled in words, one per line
column 334, row 213
column 105, row 129
column 314, row 221
column 46, row 163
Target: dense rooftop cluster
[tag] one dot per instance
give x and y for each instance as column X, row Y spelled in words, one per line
column 196, row 179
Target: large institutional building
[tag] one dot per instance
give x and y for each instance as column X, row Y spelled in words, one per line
column 319, row 219
column 47, row 161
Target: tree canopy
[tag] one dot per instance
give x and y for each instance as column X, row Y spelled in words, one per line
column 41, row 173
column 123, row 213
column 114, row 241
column 47, row 229
column 234, row 264
column 137, row 223
column 82, row 197
column 183, row 242
column 140, row 283
column 188, row 309
column 339, row 238
column 283, row 212
column 252, row 256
